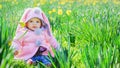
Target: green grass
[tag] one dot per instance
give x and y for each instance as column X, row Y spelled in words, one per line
column 89, row 36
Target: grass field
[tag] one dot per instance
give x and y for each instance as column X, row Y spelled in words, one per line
column 87, row 30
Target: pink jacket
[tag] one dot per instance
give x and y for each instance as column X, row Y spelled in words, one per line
column 25, row 40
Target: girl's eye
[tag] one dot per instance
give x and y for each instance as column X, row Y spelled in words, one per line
column 37, row 21
column 31, row 21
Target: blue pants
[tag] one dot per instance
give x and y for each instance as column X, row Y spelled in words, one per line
column 42, row 58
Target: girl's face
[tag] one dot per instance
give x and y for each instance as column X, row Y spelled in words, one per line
column 34, row 23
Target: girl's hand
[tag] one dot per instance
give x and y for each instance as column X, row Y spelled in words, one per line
column 29, row 61
column 16, row 53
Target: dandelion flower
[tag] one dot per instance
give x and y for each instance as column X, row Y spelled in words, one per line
column 9, row 43
column 22, row 24
column 53, row 10
column 115, row 2
column 42, row 2
column 50, row 12
column 62, row 3
column 60, row 12
column 51, row 2
column 105, row 1
column 0, row 6
column 68, row 12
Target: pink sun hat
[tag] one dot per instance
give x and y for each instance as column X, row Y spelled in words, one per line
column 31, row 13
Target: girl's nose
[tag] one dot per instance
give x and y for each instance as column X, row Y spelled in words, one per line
column 34, row 22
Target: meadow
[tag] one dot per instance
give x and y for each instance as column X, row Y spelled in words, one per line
column 88, row 32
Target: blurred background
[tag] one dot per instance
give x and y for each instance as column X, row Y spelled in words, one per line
column 87, row 30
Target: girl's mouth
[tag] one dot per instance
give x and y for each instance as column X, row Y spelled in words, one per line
column 34, row 27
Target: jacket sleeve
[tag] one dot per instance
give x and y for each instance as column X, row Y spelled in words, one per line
column 53, row 42
column 16, row 43
column 51, row 38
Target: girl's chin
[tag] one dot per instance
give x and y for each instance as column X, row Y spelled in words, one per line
column 32, row 29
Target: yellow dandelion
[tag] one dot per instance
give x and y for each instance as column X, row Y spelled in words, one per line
column 85, row 3
column 50, row 12
column 62, row 3
column 10, row 43
column 0, row 6
column 105, row 1
column 79, row 0
column 35, row 5
column 60, row 12
column 22, row 24
column 15, row 1
column 42, row 2
column 51, row 2
column 94, row 2
column 116, row 2
column 54, row 10
column 68, row 12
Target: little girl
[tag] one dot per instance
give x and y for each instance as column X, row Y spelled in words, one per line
column 34, row 40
